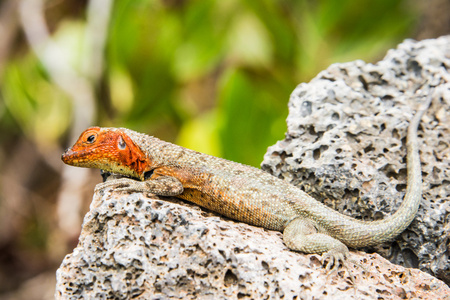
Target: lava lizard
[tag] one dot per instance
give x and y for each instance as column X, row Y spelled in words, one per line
column 242, row 192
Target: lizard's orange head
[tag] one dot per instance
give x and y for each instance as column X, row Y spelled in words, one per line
column 108, row 149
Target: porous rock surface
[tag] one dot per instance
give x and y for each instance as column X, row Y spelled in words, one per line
column 135, row 247
column 345, row 145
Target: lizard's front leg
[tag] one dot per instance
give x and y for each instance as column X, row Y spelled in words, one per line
column 162, row 186
column 301, row 234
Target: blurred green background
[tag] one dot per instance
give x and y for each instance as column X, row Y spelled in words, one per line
column 213, row 76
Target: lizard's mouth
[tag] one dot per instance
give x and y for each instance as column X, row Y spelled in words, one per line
column 95, row 158
column 74, row 158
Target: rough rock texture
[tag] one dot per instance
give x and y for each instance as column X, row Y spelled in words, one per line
column 345, row 145
column 134, row 247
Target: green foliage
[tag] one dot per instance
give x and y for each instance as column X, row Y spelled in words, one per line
column 250, row 113
column 38, row 108
column 211, row 75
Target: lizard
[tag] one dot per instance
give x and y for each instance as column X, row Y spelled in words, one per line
column 242, row 192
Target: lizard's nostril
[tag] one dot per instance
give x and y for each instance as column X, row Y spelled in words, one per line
column 67, row 151
column 65, row 154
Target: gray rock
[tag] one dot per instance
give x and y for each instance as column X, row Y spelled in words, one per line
column 134, row 247
column 345, row 145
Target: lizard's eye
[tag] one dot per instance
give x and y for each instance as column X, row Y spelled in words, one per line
column 90, row 139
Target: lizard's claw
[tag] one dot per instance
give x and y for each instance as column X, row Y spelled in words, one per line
column 336, row 258
column 332, row 260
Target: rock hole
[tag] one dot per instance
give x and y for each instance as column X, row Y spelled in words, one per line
column 369, row 149
column 395, row 134
column 400, row 187
column 384, row 292
column 414, row 66
column 301, row 94
column 411, row 259
column 312, row 131
column 230, row 278
column 329, row 127
column 208, row 262
column 241, row 295
column 335, row 116
column 354, row 193
column 378, row 216
column 436, row 171
column 316, row 153
column 364, row 82
column 136, row 293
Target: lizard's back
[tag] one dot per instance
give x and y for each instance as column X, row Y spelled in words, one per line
column 238, row 191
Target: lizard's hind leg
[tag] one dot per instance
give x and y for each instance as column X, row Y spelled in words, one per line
column 301, row 234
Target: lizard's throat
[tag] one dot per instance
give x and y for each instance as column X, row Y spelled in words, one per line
column 137, row 169
column 122, row 170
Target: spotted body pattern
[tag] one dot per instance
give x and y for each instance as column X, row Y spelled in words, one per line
column 242, row 192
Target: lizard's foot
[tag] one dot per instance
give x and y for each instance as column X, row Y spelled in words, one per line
column 335, row 259
column 301, row 235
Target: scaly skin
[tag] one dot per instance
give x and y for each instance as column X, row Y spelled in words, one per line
column 242, row 192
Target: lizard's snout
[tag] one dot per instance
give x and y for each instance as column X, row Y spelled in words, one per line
column 66, row 155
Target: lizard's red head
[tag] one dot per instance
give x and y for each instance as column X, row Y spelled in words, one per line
column 108, row 149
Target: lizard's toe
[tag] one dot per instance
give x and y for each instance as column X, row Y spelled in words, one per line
column 335, row 259
column 332, row 260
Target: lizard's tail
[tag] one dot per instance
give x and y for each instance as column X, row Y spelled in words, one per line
column 387, row 229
